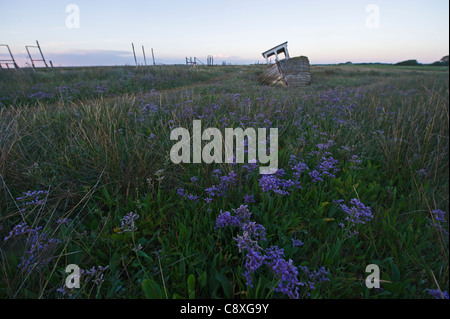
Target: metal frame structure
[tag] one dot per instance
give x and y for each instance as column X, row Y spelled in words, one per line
column 40, row 51
column 195, row 61
column 7, row 62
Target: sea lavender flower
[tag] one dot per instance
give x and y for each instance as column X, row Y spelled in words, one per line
column 246, row 242
column 249, row 198
column 40, row 95
column 194, row 179
column 328, row 166
column 128, row 223
column 277, row 185
column 358, row 213
column 94, row 274
column 356, row 162
column 253, row 260
column 299, row 168
column 315, row 276
column 439, row 220
column 257, row 231
column 296, row 242
column 220, row 190
column 180, row 192
column 272, row 257
column 437, row 294
column 63, row 221
column 32, row 198
column 38, row 251
column 226, row 219
column 100, row 89
column 284, row 271
column 21, row 229
column 193, row 197
column 216, row 172
column 315, row 176
column 243, row 214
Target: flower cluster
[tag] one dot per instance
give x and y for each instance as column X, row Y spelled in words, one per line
column 32, row 198
column 38, row 246
column 220, row 190
column 439, row 220
column 276, row 184
column 437, row 294
column 272, row 257
column 128, row 223
column 94, row 275
column 241, row 216
column 357, row 213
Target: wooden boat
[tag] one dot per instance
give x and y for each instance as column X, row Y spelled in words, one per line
column 289, row 72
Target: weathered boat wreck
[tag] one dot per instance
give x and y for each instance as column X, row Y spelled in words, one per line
column 287, row 72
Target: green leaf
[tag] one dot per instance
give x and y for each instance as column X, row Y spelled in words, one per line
column 395, row 273
column 191, row 286
column 226, row 286
column 151, row 289
column 202, row 280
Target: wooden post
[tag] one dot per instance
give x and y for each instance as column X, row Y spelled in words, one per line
column 31, row 59
column 145, row 60
column 153, row 57
column 134, row 53
column 42, row 56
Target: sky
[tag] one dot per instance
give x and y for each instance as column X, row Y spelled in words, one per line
column 85, row 33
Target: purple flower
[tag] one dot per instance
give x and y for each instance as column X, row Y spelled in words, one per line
column 284, row 271
column 225, row 219
column 128, row 223
column 63, row 221
column 437, row 294
column 358, row 213
column 315, row 276
column 439, row 220
column 21, row 229
column 180, row 192
column 249, row 199
column 242, row 213
column 38, row 247
column 299, row 168
column 277, row 185
column 355, row 160
column 192, row 197
column 32, row 198
column 328, row 166
column 257, row 231
column 315, row 176
column 246, row 242
column 194, row 179
column 253, row 260
column 216, row 172
column 297, row 242
column 220, row 190
column 439, row 215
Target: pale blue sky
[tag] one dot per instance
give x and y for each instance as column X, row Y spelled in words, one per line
column 236, row 31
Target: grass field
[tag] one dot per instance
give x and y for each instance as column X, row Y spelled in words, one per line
column 86, row 179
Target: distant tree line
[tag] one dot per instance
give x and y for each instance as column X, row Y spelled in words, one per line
column 441, row 62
